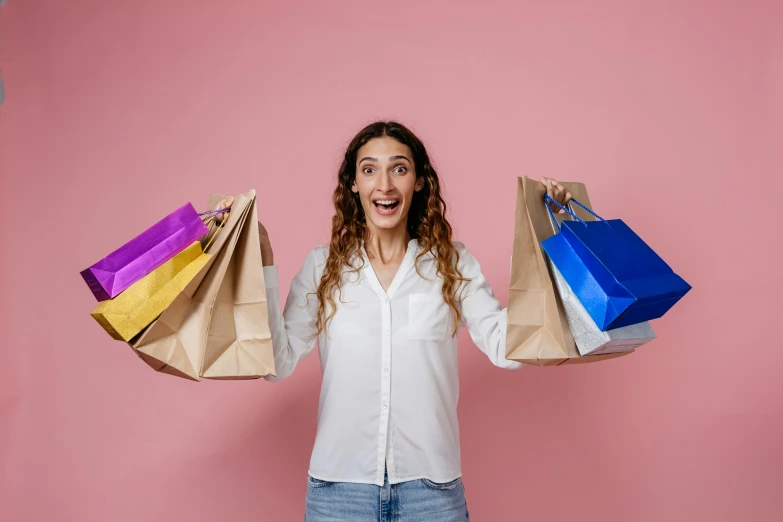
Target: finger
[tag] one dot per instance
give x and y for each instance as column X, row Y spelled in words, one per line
column 223, row 204
column 563, row 195
column 560, row 191
column 553, row 192
column 550, row 190
column 555, row 200
column 547, row 184
column 220, row 204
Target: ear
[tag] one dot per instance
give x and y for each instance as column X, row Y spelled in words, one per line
column 354, row 188
column 419, row 184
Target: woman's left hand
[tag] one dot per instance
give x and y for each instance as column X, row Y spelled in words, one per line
column 556, row 191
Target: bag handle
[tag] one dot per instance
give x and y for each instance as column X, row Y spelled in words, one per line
column 569, row 211
column 213, row 213
column 210, row 216
column 209, row 223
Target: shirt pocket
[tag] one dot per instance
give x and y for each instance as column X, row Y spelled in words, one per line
column 429, row 318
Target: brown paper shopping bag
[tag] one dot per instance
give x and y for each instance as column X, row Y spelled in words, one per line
column 189, row 339
column 239, row 341
column 537, row 331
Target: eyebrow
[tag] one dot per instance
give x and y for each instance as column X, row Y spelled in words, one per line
column 392, row 158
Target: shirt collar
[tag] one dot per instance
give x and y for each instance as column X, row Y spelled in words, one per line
column 405, row 266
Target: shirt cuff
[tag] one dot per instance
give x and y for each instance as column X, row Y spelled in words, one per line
column 270, row 276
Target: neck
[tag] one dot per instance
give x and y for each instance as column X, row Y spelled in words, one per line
column 387, row 245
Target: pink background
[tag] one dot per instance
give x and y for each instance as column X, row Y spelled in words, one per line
column 118, row 112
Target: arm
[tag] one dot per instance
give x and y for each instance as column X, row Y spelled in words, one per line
column 481, row 312
column 293, row 331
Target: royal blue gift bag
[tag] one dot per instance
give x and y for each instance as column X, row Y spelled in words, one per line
column 618, row 278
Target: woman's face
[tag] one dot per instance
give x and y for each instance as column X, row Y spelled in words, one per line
column 385, row 181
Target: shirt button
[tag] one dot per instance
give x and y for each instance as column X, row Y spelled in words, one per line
column 386, row 332
column 385, row 406
column 385, row 370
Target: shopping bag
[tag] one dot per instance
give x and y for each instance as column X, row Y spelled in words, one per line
column 618, row 278
column 218, row 326
column 114, row 273
column 134, row 309
column 239, row 341
column 537, row 331
column 588, row 337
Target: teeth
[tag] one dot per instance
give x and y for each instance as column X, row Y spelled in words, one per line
column 385, row 202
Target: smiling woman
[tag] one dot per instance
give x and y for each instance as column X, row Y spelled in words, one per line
column 386, row 178
column 384, row 167
column 392, row 290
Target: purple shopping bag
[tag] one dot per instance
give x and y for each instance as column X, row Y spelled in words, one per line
column 114, row 273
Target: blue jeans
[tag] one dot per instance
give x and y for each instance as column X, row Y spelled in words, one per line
column 413, row 501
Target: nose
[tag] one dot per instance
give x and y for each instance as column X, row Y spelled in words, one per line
column 385, row 182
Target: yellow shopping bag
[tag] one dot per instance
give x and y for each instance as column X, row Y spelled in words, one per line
column 139, row 305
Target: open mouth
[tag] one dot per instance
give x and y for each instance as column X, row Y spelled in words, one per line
column 386, row 204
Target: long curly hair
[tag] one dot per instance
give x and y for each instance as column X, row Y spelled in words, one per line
column 426, row 222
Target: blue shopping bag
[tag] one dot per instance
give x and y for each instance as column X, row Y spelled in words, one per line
column 618, row 278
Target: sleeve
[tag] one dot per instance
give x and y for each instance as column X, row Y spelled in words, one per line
column 293, row 330
column 481, row 312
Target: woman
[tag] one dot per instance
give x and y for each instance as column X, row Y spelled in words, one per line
column 384, row 301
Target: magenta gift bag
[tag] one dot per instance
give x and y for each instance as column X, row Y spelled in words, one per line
column 114, row 273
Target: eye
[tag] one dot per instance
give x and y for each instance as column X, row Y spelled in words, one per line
column 401, row 169
column 367, row 170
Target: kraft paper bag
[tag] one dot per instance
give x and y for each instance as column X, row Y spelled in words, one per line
column 129, row 313
column 239, row 341
column 218, row 326
column 538, row 331
column 170, row 344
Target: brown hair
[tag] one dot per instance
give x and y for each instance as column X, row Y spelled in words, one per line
column 426, row 222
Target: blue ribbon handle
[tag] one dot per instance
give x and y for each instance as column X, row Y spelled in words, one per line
column 599, row 218
column 548, row 199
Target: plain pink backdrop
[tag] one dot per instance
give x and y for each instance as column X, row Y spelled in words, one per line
column 118, row 112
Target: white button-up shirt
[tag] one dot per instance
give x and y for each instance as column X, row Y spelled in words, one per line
column 390, row 382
